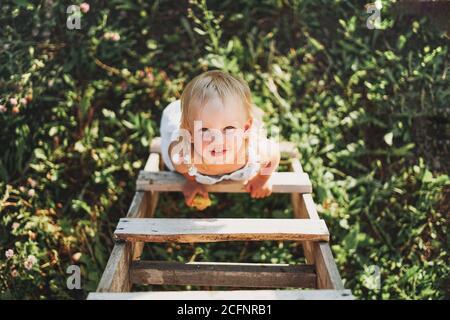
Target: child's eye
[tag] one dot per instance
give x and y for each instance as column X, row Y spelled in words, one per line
column 229, row 129
column 205, row 129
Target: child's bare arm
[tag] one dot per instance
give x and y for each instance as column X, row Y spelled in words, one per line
column 259, row 186
column 270, row 156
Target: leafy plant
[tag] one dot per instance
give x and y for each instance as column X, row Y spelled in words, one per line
column 367, row 109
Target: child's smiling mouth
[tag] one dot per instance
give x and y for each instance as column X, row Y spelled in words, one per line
column 218, row 153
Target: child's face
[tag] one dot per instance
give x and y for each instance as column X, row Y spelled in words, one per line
column 219, row 130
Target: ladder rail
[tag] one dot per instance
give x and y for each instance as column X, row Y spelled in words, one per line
column 116, row 276
column 317, row 253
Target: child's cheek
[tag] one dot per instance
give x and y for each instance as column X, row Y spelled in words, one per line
column 233, row 142
column 205, row 145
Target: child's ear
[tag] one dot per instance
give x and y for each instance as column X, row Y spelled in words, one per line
column 248, row 124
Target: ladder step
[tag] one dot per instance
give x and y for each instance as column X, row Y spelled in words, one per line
column 282, row 182
column 226, row 295
column 214, row 230
column 251, row 275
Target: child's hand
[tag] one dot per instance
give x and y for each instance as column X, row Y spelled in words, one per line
column 259, row 186
column 191, row 189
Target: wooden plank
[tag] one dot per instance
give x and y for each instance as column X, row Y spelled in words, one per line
column 213, row 230
column 328, row 276
column 299, row 203
column 153, row 165
column 288, row 150
column 115, row 277
column 155, row 145
column 318, row 254
column 307, row 245
column 138, row 205
column 283, row 182
column 141, row 199
column 228, row 295
column 252, row 275
column 152, row 197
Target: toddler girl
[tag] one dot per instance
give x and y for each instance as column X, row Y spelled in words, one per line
column 213, row 134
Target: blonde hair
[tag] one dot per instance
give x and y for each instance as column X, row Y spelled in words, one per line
column 213, row 84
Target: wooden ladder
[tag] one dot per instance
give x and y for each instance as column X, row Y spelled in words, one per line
column 124, row 268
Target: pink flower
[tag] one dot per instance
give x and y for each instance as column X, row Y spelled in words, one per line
column 113, row 36
column 31, row 235
column 9, row 253
column 84, row 7
column 28, row 265
column 32, row 182
column 14, row 273
column 76, row 256
column 31, row 193
column 23, row 101
column 31, row 260
column 2, row 108
column 15, row 109
column 13, row 101
column 15, row 225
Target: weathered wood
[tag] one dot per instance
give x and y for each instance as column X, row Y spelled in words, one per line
column 213, row 230
column 282, row 182
column 152, row 165
column 142, row 199
column 223, row 274
column 288, row 150
column 300, row 211
column 328, row 276
column 116, row 277
column 228, row 295
column 138, row 205
column 155, row 145
column 320, row 253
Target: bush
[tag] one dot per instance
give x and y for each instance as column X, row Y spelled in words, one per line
column 366, row 108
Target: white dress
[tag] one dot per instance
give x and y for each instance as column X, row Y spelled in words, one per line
column 170, row 124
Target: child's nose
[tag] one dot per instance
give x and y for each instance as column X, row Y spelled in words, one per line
column 218, row 138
